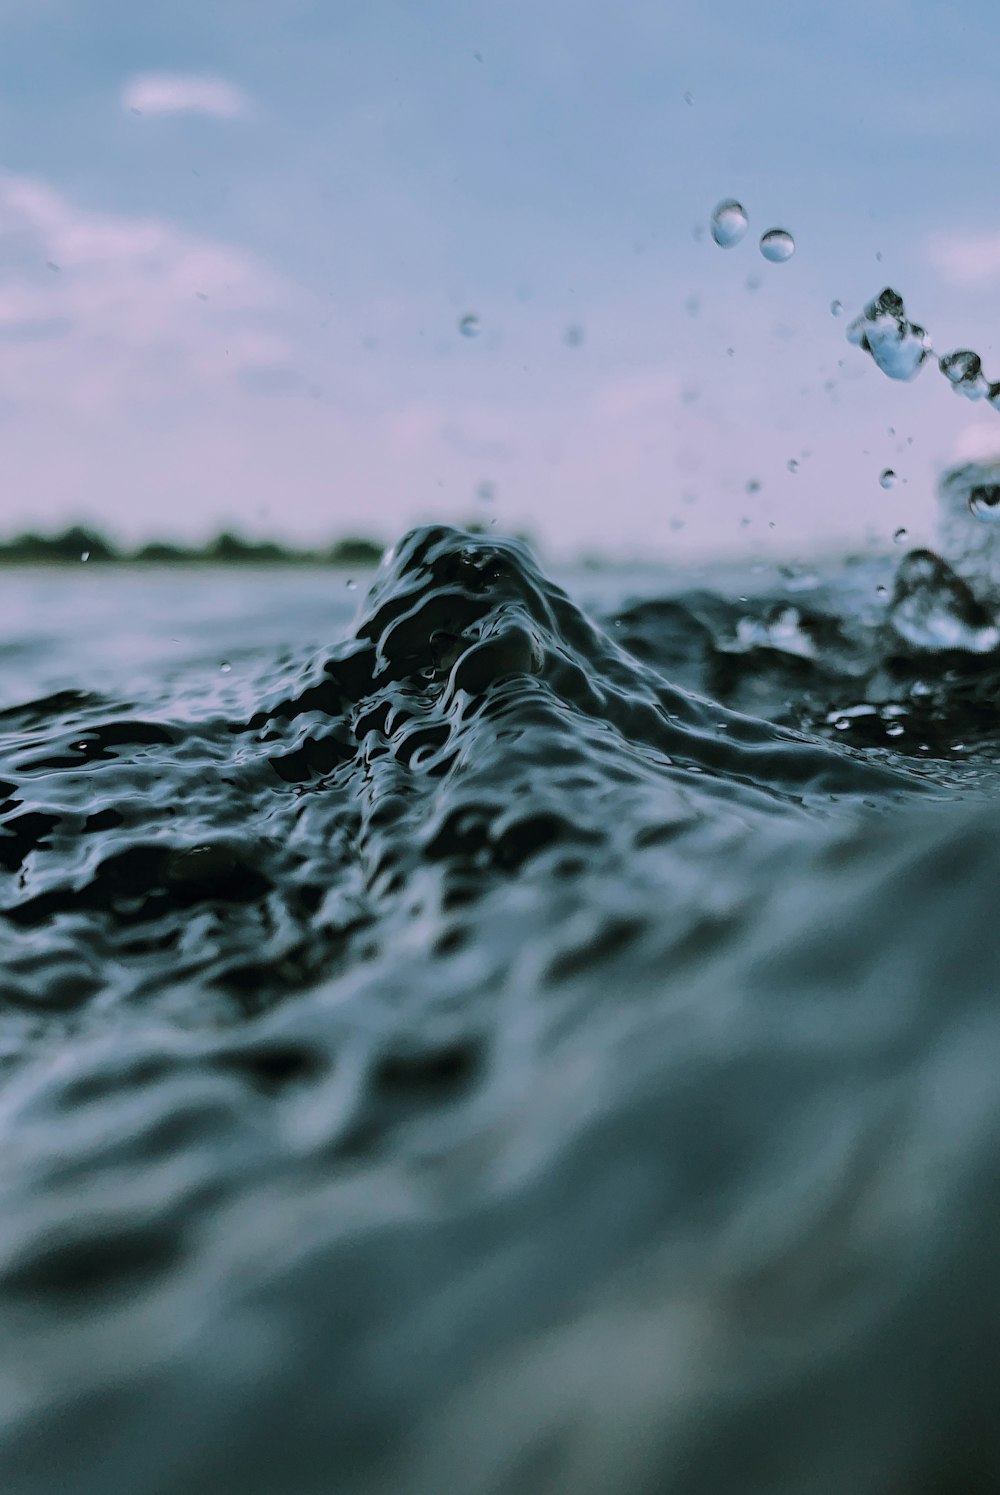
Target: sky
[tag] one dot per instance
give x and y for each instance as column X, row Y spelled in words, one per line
column 238, row 241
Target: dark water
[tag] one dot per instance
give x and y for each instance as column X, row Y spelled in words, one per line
column 496, row 1044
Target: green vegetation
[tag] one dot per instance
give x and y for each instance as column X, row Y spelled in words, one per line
column 79, row 543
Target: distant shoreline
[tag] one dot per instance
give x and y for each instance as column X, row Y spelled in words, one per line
column 80, row 544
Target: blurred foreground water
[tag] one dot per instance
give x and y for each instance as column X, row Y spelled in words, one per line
column 462, row 1034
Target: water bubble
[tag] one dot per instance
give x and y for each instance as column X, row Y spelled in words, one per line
column 85, row 555
column 225, row 666
column 897, row 345
column 837, row 308
column 777, row 245
column 887, row 478
column 899, row 536
column 468, row 325
column 984, row 502
column 792, row 465
column 729, row 223
column 964, row 372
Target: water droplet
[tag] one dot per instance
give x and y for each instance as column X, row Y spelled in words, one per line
column 468, row 325
column 85, row 555
column 887, row 478
column 777, row 245
column 881, row 591
column 573, row 336
column 792, row 465
column 688, row 98
column 837, row 308
column 486, row 491
column 897, row 345
column 964, row 372
column 841, row 723
column 899, row 536
column 729, row 223
column 753, row 486
column 352, row 585
column 894, row 729
column 984, row 502
column 225, row 666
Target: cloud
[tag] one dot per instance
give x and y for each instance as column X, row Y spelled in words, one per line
column 184, row 93
column 966, row 260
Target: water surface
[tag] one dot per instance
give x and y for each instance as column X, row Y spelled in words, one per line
column 464, row 1033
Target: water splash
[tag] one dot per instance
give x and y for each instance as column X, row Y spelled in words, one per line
column 933, row 609
column 964, row 372
column 898, row 346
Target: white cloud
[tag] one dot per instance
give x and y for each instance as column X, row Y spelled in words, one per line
column 184, row 93
column 966, row 259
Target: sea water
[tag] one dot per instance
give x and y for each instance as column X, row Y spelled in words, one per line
column 474, row 1033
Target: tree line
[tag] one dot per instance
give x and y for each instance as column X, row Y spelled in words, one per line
column 82, row 543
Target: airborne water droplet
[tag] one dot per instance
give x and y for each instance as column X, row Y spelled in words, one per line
column 729, row 223
column 85, row 555
column 887, row 478
column 964, row 372
column 792, row 465
column 352, row 585
column 883, row 329
column 468, row 325
column 984, row 502
column 899, row 536
column 777, row 245
column 836, row 307
column 225, row 666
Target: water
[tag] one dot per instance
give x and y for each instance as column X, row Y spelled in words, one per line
column 499, row 1037
column 898, row 346
column 777, row 245
column 729, row 223
column 964, row 372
